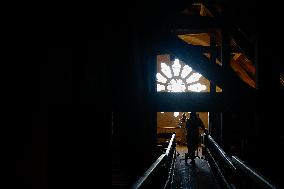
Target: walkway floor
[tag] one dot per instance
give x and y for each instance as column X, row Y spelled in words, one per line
column 192, row 176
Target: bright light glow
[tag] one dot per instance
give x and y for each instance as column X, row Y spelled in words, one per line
column 176, row 67
column 185, row 71
column 161, row 78
column 176, row 86
column 169, row 87
column 178, row 77
column 160, row 87
column 166, row 70
column 176, row 114
column 162, row 112
column 194, row 77
column 197, row 87
column 173, row 81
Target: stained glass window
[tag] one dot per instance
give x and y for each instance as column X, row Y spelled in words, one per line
column 178, row 77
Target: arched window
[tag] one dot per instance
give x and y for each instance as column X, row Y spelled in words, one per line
column 178, row 77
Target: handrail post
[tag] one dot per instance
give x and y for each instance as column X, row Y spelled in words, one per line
column 252, row 173
column 238, row 168
column 165, row 162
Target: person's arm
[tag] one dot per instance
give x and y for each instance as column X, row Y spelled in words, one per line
column 203, row 127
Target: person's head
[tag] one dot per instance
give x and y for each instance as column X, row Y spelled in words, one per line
column 193, row 115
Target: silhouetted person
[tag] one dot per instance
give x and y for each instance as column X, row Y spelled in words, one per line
column 192, row 129
column 182, row 123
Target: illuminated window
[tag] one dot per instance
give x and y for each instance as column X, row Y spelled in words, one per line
column 194, row 77
column 176, row 114
column 161, row 78
column 166, row 70
column 185, row 71
column 196, row 87
column 178, row 78
column 160, row 87
column 176, row 67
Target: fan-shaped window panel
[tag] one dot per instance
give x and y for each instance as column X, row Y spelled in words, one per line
column 176, row 76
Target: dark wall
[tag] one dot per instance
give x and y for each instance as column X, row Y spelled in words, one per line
column 64, row 136
column 84, row 81
column 134, row 125
column 94, row 112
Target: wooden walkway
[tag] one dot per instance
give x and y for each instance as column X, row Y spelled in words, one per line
column 192, row 176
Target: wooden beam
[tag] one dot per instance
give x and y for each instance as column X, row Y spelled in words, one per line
column 172, row 102
column 213, row 56
column 203, row 102
column 193, row 57
column 246, row 47
column 171, row 44
column 179, row 21
column 246, row 64
column 187, row 101
column 242, row 73
column 210, row 6
column 225, row 57
column 207, row 49
column 193, row 31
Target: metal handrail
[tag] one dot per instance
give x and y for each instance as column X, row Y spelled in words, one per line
column 149, row 171
column 156, row 164
column 237, row 164
column 171, row 171
column 222, row 153
column 252, row 173
column 170, row 144
column 218, row 170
